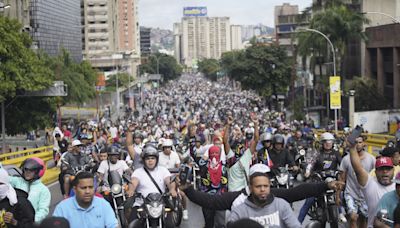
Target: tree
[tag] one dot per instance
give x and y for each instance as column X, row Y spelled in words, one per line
column 210, row 68
column 367, row 96
column 123, row 81
column 168, row 66
column 22, row 70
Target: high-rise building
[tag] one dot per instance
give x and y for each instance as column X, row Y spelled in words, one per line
column 201, row 37
column 145, row 41
column 53, row 25
column 236, row 37
column 111, row 34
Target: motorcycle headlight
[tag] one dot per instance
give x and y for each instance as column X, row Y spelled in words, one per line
column 156, row 211
column 329, row 179
column 116, row 189
column 302, row 152
column 283, row 179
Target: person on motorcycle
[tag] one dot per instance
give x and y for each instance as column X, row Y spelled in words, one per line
column 357, row 208
column 196, row 151
column 169, row 158
column 17, row 209
column 388, row 202
column 88, row 145
column 72, row 160
column 141, row 179
column 38, row 194
column 112, row 164
column 295, row 142
column 263, row 153
column 134, row 143
column 84, row 209
column 327, row 160
column 281, row 157
column 62, row 147
column 264, row 207
column 215, row 182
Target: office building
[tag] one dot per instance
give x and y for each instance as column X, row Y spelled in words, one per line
column 197, row 38
column 111, row 35
column 53, row 25
column 382, row 50
column 145, row 41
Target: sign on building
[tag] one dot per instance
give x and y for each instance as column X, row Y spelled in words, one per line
column 198, row 11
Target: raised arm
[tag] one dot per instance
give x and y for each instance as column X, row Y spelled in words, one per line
column 212, row 202
column 129, row 142
column 361, row 174
column 228, row 125
column 256, row 136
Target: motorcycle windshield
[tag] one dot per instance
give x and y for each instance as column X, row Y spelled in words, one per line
column 115, row 178
column 154, row 197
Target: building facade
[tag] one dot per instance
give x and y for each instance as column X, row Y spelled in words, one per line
column 111, row 35
column 145, row 41
column 197, row 38
column 53, row 25
column 236, row 37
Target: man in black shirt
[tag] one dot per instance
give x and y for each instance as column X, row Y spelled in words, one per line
column 279, row 155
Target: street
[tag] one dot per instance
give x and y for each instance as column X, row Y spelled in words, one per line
column 195, row 214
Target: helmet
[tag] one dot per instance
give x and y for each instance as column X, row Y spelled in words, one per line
column 149, row 150
column 167, row 143
column 138, row 135
column 35, row 164
column 266, row 137
column 278, row 138
column 113, row 151
column 327, row 136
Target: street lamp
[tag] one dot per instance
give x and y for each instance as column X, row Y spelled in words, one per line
column 158, row 63
column 334, row 60
column 384, row 14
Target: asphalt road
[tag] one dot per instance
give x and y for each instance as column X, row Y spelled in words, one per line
column 195, row 214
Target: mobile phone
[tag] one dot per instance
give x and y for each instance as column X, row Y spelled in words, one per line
column 355, row 134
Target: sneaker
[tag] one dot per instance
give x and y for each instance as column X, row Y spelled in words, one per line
column 342, row 218
column 185, row 215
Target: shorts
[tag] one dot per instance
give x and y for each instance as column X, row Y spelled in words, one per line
column 356, row 206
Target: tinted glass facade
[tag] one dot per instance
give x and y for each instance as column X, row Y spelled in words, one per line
column 56, row 24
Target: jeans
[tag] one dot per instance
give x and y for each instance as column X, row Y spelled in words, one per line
column 304, row 209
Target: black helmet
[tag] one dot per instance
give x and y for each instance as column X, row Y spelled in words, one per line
column 149, row 150
column 278, row 138
column 113, row 150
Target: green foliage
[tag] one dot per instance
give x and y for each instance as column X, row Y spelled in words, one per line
column 367, row 96
column 168, row 66
column 123, row 80
column 210, row 68
column 265, row 69
column 20, row 67
column 297, row 107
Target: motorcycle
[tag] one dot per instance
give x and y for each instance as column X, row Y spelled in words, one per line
column 282, row 178
column 117, row 195
column 75, row 170
column 324, row 209
column 156, row 211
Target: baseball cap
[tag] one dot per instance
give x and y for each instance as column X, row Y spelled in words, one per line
column 76, row 142
column 383, row 162
column 259, row 168
column 397, row 178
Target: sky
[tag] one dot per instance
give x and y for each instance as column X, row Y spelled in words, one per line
column 164, row 13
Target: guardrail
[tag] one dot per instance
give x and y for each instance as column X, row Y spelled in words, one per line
column 45, row 153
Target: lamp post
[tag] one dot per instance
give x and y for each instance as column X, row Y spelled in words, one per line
column 351, row 108
column 334, row 60
column 158, row 63
column 384, row 14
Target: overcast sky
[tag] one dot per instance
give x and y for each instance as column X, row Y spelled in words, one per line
column 163, row 13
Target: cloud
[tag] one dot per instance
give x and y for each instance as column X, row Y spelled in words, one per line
column 163, row 13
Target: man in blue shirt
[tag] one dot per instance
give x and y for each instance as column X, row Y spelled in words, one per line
column 84, row 210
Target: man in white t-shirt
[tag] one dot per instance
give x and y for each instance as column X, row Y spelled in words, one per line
column 141, row 181
column 113, row 164
column 373, row 188
column 168, row 158
column 114, row 131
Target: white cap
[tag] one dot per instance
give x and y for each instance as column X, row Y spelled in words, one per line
column 76, row 142
column 259, row 168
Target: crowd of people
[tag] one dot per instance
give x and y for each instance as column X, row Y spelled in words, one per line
column 238, row 145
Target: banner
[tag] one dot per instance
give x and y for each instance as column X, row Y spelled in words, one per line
column 335, row 92
column 195, row 11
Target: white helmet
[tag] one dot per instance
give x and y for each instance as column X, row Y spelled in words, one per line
column 167, row 143
column 327, row 136
column 266, row 137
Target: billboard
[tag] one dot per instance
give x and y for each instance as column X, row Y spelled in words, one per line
column 335, row 95
column 197, row 11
